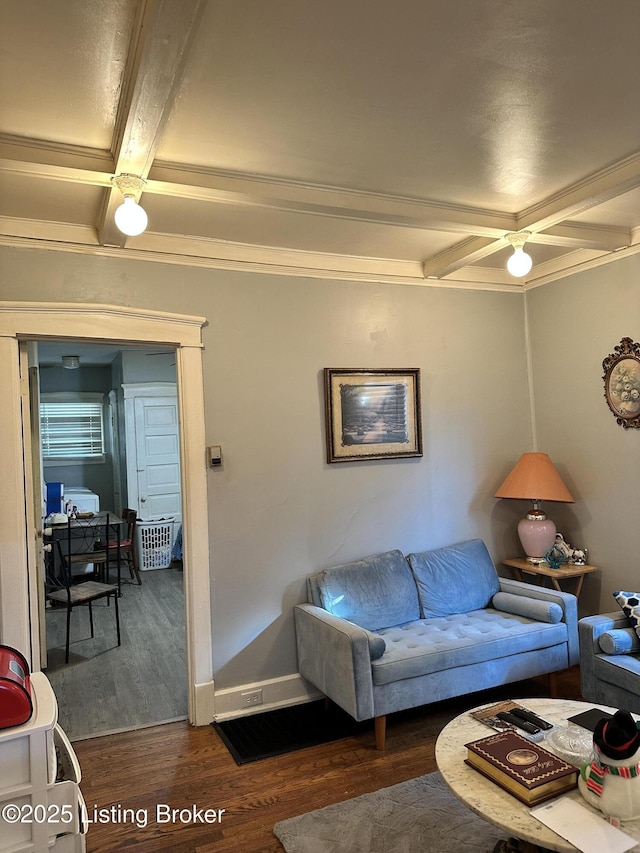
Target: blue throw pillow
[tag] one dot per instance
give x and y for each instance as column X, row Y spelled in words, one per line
column 630, row 604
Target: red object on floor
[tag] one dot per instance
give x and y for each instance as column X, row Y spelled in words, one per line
column 16, row 704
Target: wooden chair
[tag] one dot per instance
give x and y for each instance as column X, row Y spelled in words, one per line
column 87, row 541
column 128, row 544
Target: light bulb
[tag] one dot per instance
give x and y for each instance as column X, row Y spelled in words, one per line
column 519, row 263
column 130, row 218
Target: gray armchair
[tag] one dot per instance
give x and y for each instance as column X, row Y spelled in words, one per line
column 610, row 661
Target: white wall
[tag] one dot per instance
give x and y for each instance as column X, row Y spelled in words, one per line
column 278, row 511
column 575, row 324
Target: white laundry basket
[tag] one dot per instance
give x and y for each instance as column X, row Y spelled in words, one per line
column 154, row 542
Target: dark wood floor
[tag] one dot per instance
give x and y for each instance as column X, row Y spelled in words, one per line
column 183, row 767
column 106, row 688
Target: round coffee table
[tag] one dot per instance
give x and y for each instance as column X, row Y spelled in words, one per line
column 489, row 800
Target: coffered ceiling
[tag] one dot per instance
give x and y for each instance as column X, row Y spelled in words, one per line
column 360, row 139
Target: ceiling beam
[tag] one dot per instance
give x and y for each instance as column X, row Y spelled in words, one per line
column 237, row 188
column 582, row 236
column 461, row 255
column 165, row 31
column 44, row 158
column 56, row 161
column 602, row 186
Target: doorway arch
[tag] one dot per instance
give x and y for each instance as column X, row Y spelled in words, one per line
column 120, row 326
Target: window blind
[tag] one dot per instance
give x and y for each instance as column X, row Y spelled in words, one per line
column 72, row 428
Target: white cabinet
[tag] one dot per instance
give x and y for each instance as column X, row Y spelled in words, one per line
column 41, row 807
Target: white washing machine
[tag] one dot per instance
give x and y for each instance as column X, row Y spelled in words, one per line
column 83, row 498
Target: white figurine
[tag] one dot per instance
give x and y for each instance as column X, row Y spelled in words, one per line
column 611, row 782
column 575, row 556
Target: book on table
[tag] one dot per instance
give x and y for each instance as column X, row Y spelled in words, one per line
column 522, row 767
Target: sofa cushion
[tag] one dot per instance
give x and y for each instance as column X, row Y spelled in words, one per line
column 455, row 579
column 619, row 641
column 532, row 608
column 375, row 592
column 443, row 643
column 630, row 604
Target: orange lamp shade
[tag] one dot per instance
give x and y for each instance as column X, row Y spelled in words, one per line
column 534, row 478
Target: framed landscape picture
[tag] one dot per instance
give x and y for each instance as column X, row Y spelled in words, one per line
column 372, row 414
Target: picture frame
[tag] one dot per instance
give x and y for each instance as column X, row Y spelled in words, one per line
column 622, row 383
column 372, row 414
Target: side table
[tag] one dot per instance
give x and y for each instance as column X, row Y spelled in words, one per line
column 544, row 570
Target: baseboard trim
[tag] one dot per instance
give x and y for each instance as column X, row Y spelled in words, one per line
column 276, row 693
column 201, row 710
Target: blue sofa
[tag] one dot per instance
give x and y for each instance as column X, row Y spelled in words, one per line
column 390, row 632
column 610, row 661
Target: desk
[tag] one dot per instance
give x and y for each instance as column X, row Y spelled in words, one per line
column 86, row 522
column 544, row 570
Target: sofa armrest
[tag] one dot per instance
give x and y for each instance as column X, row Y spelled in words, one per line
column 567, row 601
column 334, row 655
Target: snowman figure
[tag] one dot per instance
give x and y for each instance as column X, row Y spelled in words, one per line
column 611, row 782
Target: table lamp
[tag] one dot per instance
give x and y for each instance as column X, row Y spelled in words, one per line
column 535, row 478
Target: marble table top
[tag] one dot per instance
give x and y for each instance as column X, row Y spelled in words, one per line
column 491, row 802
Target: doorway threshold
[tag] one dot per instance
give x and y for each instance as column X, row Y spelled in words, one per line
column 92, row 735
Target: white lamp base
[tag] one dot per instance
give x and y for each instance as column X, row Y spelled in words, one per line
column 537, row 535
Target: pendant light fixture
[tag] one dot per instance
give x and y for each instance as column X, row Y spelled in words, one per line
column 520, row 262
column 130, row 218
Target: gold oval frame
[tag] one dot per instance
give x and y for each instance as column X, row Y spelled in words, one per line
column 622, row 383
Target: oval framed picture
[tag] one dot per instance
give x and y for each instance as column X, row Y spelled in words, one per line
column 622, row 383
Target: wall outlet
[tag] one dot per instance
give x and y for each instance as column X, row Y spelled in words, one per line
column 252, row 697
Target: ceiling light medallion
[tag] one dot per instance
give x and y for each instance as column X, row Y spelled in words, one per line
column 520, row 262
column 130, row 218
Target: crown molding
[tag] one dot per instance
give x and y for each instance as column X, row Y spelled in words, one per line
column 581, row 265
column 601, row 186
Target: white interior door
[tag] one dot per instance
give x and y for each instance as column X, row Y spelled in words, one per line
column 158, row 457
column 153, row 451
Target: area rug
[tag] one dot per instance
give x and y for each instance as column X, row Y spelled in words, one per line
column 413, row 817
column 287, row 729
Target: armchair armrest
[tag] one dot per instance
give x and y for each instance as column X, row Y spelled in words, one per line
column 567, row 601
column 334, row 655
column 590, row 629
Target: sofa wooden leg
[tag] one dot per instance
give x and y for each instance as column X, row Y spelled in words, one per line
column 381, row 731
column 553, row 685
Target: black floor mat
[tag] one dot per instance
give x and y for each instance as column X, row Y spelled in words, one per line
column 287, row 729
